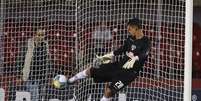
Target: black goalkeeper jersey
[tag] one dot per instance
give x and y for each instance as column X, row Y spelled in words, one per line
column 137, row 47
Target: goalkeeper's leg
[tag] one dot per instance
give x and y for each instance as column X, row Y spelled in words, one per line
column 81, row 75
column 107, row 94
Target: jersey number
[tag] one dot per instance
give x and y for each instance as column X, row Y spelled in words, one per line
column 119, row 84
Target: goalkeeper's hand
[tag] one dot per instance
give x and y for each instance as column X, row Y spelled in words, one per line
column 105, row 58
column 129, row 64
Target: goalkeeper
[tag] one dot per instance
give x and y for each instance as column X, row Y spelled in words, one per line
column 120, row 73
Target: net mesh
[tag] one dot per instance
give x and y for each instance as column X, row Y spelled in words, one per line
column 75, row 31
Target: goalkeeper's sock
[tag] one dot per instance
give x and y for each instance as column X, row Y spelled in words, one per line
column 78, row 76
column 104, row 99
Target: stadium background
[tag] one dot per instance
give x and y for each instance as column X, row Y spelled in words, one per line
column 196, row 81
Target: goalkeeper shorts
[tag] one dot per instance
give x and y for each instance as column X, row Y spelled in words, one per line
column 114, row 73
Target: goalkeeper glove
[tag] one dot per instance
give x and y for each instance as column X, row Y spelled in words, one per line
column 129, row 64
column 105, row 58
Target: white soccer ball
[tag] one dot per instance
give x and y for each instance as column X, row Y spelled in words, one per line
column 59, row 81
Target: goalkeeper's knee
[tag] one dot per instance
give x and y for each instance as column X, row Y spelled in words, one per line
column 109, row 92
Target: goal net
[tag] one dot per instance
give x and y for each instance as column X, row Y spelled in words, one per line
column 72, row 32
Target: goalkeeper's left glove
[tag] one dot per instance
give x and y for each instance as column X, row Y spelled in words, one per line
column 129, row 64
column 105, row 58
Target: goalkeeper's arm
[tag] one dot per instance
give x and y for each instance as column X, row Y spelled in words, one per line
column 105, row 58
column 108, row 57
column 141, row 57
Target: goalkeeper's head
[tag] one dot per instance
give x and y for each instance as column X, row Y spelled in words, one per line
column 134, row 27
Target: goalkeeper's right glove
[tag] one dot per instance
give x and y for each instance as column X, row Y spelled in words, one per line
column 129, row 64
column 105, row 58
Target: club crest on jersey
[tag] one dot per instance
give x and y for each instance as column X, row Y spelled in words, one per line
column 133, row 47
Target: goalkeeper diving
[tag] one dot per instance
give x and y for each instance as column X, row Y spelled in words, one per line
column 120, row 73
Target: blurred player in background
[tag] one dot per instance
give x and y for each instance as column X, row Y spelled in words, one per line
column 101, row 36
column 33, row 62
column 120, row 73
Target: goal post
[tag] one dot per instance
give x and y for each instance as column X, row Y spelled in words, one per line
column 188, row 51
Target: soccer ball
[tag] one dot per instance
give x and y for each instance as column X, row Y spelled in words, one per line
column 59, row 81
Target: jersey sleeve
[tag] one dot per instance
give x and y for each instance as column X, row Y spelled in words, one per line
column 121, row 49
column 145, row 51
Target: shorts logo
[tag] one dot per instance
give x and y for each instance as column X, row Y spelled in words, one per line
column 119, row 85
column 133, row 47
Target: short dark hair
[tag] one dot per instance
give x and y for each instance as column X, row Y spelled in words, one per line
column 135, row 22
